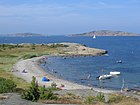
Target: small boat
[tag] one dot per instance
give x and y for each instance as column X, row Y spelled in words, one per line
column 101, row 77
column 115, row 73
column 119, row 61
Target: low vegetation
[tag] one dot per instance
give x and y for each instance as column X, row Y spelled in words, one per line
column 34, row 93
column 100, row 97
column 112, row 99
column 95, row 99
column 90, row 100
column 57, row 45
column 6, row 85
column 117, row 99
column 11, row 53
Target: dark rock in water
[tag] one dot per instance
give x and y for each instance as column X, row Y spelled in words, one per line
column 55, row 71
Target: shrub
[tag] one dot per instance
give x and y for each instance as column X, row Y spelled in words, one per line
column 27, row 56
column 115, row 98
column 1, row 50
column 33, row 92
column 6, row 85
column 42, row 92
column 53, row 85
column 72, row 95
column 57, row 45
column 48, row 95
column 33, row 46
column 100, row 97
column 90, row 100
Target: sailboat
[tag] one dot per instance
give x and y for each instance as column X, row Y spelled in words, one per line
column 94, row 37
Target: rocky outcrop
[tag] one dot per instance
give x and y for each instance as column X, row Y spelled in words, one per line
column 78, row 49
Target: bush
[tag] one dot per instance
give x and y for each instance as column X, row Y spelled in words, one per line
column 72, row 95
column 53, row 85
column 48, row 95
column 90, row 100
column 28, row 56
column 34, row 93
column 115, row 98
column 100, row 97
column 57, row 45
column 6, row 85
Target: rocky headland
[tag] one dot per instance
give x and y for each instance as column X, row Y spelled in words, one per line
column 75, row 49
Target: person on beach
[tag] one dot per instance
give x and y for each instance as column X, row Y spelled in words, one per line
column 24, row 71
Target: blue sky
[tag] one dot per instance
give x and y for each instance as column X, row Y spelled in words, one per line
column 56, row 17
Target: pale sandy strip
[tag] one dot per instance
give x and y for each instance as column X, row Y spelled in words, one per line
column 33, row 69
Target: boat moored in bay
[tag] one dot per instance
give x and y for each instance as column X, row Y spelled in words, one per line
column 102, row 77
column 115, row 73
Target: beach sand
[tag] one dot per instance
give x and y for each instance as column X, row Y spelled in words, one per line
column 32, row 68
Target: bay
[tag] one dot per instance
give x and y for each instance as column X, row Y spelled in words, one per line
column 77, row 69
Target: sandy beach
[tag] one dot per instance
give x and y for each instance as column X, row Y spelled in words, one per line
column 33, row 69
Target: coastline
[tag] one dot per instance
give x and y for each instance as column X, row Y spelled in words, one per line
column 33, row 69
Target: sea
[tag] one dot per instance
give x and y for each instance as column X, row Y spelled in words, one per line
column 84, row 69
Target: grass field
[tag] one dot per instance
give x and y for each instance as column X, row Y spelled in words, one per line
column 10, row 54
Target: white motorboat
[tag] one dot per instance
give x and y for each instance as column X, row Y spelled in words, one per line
column 101, row 77
column 115, row 73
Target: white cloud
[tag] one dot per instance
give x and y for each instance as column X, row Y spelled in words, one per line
column 31, row 11
column 49, row 10
column 40, row 17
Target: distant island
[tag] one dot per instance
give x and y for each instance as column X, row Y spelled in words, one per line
column 27, row 34
column 21, row 34
column 106, row 33
column 92, row 33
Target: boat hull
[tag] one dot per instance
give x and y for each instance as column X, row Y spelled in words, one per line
column 102, row 77
column 115, row 73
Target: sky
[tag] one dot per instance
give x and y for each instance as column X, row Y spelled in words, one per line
column 60, row 17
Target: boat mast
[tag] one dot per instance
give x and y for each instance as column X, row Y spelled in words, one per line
column 122, row 85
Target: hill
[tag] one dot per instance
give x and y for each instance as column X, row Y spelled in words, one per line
column 27, row 34
column 107, row 33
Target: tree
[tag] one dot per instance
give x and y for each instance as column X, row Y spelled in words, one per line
column 32, row 93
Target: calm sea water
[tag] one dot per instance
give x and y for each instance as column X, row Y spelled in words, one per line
column 77, row 69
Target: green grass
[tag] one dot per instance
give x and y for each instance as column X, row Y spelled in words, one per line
column 10, row 54
column 7, row 85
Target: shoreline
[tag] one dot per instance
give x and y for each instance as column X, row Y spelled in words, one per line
column 33, row 69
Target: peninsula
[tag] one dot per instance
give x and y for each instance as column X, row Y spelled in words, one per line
column 75, row 49
column 31, row 63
